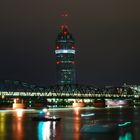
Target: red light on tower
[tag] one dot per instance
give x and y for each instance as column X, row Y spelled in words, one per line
column 64, row 15
column 73, row 47
column 72, row 62
column 65, row 33
column 62, row 27
column 57, row 62
column 57, row 47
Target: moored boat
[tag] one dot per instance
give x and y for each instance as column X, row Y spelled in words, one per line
column 88, row 115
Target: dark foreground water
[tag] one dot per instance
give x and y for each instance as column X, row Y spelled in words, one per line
column 16, row 125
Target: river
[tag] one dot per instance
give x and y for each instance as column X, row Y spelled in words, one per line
column 18, row 125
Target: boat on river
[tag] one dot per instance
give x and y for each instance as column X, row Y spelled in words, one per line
column 46, row 118
column 44, row 115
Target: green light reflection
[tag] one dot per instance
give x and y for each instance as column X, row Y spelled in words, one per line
column 127, row 136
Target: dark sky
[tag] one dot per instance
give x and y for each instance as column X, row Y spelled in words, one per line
column 107, row 35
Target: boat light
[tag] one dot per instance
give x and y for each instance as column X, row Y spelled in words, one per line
column 124, row 124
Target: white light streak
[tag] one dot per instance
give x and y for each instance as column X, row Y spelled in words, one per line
column 65, row 51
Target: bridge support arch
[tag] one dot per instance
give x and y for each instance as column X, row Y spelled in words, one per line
column 99, row 103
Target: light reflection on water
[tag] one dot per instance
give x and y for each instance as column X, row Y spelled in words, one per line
column 76, row 123
column 17, row 125
column 46, row 130
column 2, row 125
column 19, row 112
column 126, row 136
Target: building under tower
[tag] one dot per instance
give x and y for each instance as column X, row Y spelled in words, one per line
column 65, row 57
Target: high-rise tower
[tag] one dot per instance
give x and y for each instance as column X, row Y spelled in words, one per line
column 65, row 57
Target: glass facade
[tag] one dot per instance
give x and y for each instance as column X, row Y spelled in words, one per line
column 65, row 57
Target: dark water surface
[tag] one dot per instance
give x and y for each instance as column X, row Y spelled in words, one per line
column 16, row 125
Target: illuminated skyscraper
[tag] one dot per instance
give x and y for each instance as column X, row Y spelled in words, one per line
column 65, row 56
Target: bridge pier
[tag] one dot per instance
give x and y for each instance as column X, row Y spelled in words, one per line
column 18, row 103
column 99, row 103
column 78, row 104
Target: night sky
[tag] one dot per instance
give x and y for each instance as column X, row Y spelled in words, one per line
column 106, row 32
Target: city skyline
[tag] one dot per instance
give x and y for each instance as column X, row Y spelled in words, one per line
column 106, row 34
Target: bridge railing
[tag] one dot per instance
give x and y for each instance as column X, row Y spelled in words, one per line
column 66, row 95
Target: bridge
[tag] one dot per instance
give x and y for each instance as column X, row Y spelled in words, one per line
column 18, row 89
